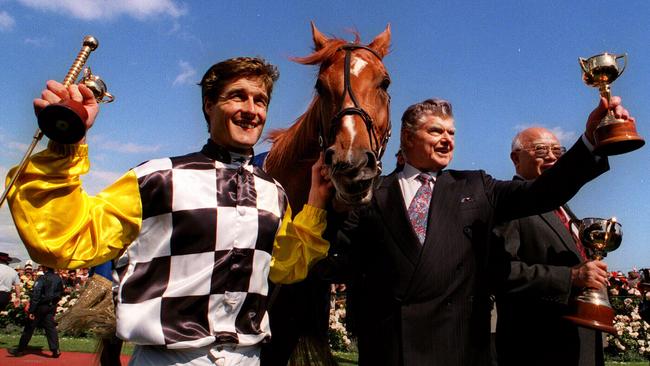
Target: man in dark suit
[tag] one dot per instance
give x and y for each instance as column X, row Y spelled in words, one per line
column 418, row 253
column 44, row 298
column 547, row 264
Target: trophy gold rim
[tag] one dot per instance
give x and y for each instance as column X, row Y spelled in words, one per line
column 612, row 136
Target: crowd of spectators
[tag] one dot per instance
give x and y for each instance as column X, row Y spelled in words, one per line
column 15, row 312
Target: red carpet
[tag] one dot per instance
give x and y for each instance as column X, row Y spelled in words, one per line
column 42, row 357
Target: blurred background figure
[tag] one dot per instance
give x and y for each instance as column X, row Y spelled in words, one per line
column 45, row 296
column 8, row 280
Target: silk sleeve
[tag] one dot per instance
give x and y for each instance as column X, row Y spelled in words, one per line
column 62, row 226
column 298, row 245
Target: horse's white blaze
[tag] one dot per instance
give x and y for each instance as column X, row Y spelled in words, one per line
column 357, row 65
column 348, row 124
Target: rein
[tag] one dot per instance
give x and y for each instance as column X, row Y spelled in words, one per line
column 377, row 146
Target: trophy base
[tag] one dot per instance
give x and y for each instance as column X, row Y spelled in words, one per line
column 617, row 137
column 597, row 317
column 63, row 122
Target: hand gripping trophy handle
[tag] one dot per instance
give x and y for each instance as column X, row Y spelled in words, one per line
column 613, row 136
column 64, row 122
column 590, row 307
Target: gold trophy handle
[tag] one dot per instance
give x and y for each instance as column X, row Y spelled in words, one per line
column 582, row 62
column 108, row 98
column 90, row 43
column 610, row 228
column 624, row 57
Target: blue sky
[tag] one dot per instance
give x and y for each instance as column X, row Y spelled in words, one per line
column 504, row 65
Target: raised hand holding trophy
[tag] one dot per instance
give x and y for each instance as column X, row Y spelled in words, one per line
column 591, row 307
column 613, row 136
column 64, row 122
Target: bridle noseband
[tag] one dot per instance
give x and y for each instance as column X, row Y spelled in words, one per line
column 377, row 146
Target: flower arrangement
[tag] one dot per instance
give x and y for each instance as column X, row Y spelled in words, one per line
column 632, row 339
column 338, row 334
column 16, row 312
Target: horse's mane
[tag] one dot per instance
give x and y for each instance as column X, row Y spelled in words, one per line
column 286, row 142
column 326, row 52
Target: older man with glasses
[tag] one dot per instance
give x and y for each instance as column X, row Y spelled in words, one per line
column 547, row 262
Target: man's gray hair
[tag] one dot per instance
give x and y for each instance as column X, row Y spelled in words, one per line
column 516, row 142
column 413, row 115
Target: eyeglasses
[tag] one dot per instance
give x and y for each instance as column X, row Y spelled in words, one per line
column 542, row 150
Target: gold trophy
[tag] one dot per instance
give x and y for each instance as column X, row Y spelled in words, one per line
column 64, row 122
column 591, row 307
column 613, row 136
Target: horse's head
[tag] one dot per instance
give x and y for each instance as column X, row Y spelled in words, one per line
column 354, row 106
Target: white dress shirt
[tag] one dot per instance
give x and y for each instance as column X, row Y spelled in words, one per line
column 409, row 184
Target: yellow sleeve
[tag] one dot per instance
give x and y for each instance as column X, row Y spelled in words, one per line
column 61, row 225
column 298, row 245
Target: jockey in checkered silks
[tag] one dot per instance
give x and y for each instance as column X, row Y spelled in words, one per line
column 194, row 238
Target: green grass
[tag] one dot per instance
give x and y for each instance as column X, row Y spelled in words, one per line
column 67, row 344
column 88, row 345
column 346, row 358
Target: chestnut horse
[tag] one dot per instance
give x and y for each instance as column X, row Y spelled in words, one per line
column 349, row 120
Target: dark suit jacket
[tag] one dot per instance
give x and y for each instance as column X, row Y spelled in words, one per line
column 428, row 305
column 530, row 327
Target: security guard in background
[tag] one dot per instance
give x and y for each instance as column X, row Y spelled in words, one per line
column 45, row 296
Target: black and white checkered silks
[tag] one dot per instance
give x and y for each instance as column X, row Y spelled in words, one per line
column 198, row 271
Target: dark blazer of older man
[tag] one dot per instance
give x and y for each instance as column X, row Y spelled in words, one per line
column 530, row 327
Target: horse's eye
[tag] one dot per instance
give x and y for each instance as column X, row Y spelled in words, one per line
column 385, row 83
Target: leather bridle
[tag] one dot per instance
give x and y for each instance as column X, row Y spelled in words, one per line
column 378, row 147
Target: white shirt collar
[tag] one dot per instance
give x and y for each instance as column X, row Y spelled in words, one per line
column 410, row 172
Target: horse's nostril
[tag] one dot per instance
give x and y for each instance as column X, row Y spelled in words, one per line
column 372, row 160
column 329, row 154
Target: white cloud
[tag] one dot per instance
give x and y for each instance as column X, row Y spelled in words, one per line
column 187, row 75
column 566, row 138
column 107, row 9
column 96, row 180
column 128, row 147
column 7, row 22
column 38, row 42
column 14, row 150
column 122, row 147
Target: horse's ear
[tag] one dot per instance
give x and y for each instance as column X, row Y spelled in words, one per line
column 381, row 43
column 319, row 38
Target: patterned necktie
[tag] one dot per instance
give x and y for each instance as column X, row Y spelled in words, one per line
column 567, row 224
column 419, row 207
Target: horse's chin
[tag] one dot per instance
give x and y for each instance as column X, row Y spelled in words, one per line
column 353, row 189
column 344, row 201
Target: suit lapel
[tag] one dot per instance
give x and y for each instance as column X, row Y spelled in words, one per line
column 565, row 236
column 573, row 217
column 554, row 223
column 393, row 211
